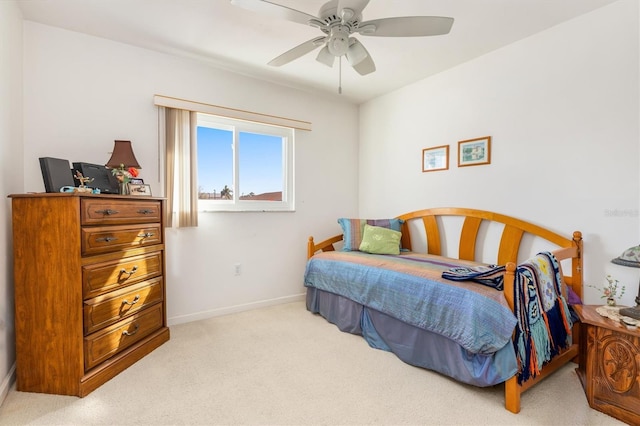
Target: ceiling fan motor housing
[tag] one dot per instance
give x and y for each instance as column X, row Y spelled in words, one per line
column 329, row 15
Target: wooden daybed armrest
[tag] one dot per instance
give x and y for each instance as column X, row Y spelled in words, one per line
column 326, row 245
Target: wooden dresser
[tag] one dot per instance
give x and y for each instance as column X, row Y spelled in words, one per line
column 89, row 288
column 609, row 367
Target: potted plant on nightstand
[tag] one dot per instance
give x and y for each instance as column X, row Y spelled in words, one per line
column 611, row 291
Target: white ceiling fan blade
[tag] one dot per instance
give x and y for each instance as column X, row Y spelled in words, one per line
column 354, row 6
column 297, row 51
column 326, row 57
column 360, row 59
column 407, row 26
column 275, row 10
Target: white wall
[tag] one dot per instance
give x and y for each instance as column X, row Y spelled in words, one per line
column 11, row 173
column 562, row 109
column 82, row 92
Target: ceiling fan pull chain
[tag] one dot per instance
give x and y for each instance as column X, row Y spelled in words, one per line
column 340, row 75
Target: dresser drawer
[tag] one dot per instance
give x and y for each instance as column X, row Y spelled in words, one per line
column 106, row 212
column 106, row 343
column 112, row 307
column 100, row 278
column 113, row 238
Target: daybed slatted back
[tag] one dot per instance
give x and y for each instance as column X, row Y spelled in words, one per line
column 512, row 234
column 511, row 237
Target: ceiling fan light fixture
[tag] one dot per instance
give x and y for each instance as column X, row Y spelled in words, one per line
column 338, row 40
column 325, row 57
column 356, row 53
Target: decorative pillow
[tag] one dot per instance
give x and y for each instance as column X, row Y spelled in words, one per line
column 378, row 240
column 353, row 229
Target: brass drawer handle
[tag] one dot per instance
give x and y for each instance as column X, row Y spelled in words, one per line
column 135, row 330
column 146, row 211
column 133, row 270
column 107, row 212
column 133, row 302
column 106, row 239
column 146, row 235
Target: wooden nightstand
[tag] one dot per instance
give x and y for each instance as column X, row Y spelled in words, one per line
column 609, row 366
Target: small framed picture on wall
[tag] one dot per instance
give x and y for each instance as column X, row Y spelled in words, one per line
column 435, row 158
column 474, row 152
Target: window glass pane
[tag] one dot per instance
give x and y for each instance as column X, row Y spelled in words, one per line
column 260, row 167
column 215, row 163
column 244, row 166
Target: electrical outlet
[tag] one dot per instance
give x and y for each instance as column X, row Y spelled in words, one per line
column 237, row 268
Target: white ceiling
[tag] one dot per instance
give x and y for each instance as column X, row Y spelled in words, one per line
column 243, row 41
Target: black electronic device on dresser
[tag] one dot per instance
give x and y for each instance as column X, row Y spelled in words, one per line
column 102, row 177
column 56, row 173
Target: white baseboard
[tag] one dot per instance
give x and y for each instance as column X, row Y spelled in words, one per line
column 7, row 382
column 233, row 309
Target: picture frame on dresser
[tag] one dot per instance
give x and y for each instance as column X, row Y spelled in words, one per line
column 139, row 190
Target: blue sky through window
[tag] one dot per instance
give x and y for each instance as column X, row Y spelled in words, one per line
column 260, row 161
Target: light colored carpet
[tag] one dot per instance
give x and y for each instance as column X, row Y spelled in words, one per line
column 285, row 366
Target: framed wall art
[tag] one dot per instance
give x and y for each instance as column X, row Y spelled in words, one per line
column 139, row 190
column 474, row 152
column 435, row 158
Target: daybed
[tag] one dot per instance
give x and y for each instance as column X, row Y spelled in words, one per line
column 480, row 334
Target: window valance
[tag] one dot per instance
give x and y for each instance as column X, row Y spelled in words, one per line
column 237, row 114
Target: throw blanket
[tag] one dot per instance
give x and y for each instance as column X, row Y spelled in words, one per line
column 544, row 321
column 490, row 275
column 409, row 287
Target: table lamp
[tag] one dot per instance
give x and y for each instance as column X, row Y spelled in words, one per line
column 630, row 257
column 122, row 156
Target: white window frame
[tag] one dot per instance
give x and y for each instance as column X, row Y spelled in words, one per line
column 236, row 204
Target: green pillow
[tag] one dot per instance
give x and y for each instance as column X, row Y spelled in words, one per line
column 378, row 240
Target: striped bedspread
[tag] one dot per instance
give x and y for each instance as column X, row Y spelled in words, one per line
column 409, row 287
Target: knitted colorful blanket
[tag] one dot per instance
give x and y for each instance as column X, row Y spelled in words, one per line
column 544, row 322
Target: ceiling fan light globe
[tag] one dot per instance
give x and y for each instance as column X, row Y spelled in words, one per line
column 338, row 46
column 356, row 54
column 325, row 57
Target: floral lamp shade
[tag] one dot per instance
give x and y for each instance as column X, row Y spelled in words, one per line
column 631, row 258
column 123, row 156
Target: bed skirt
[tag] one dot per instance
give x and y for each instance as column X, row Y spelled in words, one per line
column 411, row 344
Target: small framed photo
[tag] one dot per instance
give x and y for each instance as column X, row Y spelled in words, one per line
column 136, row 181
column 474, row 152
column 436, row 158
column 139, row 190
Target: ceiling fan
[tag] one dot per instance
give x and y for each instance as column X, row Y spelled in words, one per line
column 338, row 20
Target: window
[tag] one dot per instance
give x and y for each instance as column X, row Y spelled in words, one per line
column 243, row 166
